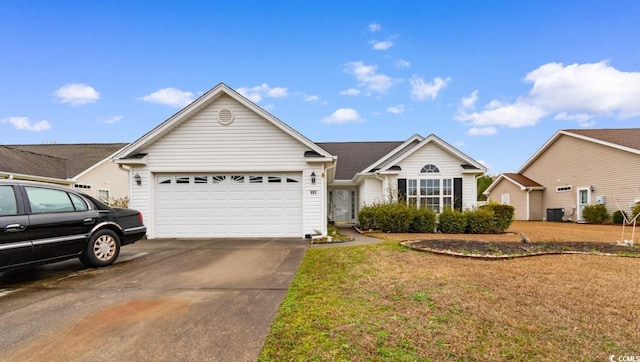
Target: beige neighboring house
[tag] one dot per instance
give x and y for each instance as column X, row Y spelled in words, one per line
column 86, row 167
column 573, row 169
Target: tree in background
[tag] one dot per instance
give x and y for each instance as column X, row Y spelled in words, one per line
column 483, row 183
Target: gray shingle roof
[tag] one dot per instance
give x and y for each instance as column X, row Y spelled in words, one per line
column 353, row 157
column 18, row 161
column 66, row 160
column 627, row 137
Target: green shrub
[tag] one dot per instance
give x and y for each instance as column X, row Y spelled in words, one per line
column 596, row 214
column 480, row 221
column 635, row 211
column 619, row 216
column 452, row 222
column 424, row 221
column 366, row 218
column 503, row 215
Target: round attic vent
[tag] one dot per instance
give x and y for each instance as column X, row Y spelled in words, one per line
column 225, row 117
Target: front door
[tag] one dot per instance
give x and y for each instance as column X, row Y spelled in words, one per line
column 584, row 199
column 341, row 203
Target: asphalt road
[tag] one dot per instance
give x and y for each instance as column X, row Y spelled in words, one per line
column 163, row 300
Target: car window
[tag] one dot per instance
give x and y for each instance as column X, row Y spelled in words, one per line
column 78, row 203
column 48, row 200
column 8, row 204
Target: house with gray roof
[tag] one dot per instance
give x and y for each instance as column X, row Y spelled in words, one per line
column 225, row 167
column 87, row 167
column 573, row 169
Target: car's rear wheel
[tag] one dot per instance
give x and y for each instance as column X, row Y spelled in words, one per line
column 102, row 249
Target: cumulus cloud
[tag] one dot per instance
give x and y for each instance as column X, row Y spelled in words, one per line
column 350, row 92
column 368, row 77
column 23, row 123
column 257, row 93
column 374, row 27
column 421, row 90
column 470, row 101
column 575, row 92
column 399, row 109
column 170, row 96
column 381, row 45
column 343, row 115
column 77, row 94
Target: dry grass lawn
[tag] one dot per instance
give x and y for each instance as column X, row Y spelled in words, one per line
column 384, row 303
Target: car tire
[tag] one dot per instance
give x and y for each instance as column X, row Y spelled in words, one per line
column 102, row 250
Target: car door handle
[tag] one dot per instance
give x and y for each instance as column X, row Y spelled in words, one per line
column 87, row 221
column 14, row 228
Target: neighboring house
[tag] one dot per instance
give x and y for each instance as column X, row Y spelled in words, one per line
column 224, row 167
column 573, row 169
column 87, row 167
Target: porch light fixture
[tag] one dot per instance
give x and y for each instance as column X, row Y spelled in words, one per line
column 592, row 188
column 137, row 179
column 313, row 177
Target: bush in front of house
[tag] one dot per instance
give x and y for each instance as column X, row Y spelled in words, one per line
column 480, row 221
column 618, row 217
column 635, row 211
column 502, row 215
column 596, row 214
column 367, row 219
column 452, row 222
column 394, row 217
column 424, row 221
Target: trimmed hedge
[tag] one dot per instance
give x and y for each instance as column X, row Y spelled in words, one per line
column 397, row 217
column 596, row 214
column 480, row 221
column 452, row 222
column 502, row 215
column 424, row 221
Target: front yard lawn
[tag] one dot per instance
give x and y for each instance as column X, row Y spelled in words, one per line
column 384, row 303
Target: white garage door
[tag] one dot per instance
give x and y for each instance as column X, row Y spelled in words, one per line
column 228, row 205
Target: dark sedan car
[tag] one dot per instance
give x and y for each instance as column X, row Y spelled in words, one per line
column 44, row 223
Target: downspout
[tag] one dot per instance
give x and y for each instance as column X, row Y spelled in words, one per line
column 376, row 174
column 325, row 215
column 528, row 189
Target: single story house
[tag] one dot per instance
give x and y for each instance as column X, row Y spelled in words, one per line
column 86, row 166
column 573, row 169
column 224, row 167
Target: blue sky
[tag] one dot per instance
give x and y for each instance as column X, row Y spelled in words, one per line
column 496, row 79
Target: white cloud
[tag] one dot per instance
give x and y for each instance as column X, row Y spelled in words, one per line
column 23, row 123
column 312, row 98
column 470, row 101
column 343, row 115
column 368, row 78
column 77, row 94
column 350, row 92
column 482, row 131
column 421, row 90
column 459, row 143
column 257, row 93
column 399, row 109
column 374, row 27
column 170, row 96
column 112, row 120
column 381, row 45
column 576, row 92
column 401, row 63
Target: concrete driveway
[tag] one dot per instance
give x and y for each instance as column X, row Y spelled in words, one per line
column 164, row 300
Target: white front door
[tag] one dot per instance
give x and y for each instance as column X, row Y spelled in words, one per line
column 584, row 199
column 341, row 203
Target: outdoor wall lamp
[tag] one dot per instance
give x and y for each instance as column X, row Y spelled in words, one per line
column 313, row 177
column 137, row 179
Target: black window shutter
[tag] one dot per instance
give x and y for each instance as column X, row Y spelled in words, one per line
column 457, row 193
column 402, row 189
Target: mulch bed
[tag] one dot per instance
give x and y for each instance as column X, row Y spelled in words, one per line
column 504, row 250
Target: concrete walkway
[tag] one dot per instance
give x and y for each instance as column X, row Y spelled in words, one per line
column 348, row 230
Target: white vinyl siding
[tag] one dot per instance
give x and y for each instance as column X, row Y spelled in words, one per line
column 106, row 176
column 371, row 192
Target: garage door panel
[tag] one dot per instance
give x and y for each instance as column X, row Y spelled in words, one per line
column 235, row 205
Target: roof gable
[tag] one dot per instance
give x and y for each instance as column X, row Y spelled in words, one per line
column 200, row 104
column 521, row 181
column 467, row 163
column 626, row 139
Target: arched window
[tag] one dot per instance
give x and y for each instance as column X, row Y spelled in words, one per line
column 429, row 169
